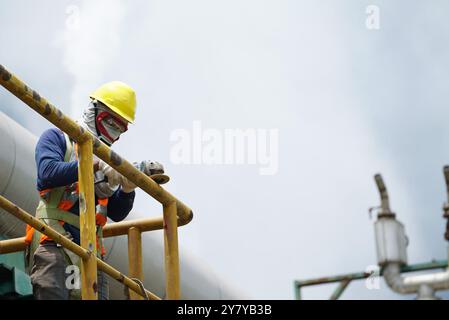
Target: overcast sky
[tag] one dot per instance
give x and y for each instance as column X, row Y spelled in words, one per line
column 347, row 101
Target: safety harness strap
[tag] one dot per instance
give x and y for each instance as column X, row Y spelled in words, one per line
column 69, row 148
column 56, row 214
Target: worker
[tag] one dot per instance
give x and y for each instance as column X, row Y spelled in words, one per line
column 111, row 109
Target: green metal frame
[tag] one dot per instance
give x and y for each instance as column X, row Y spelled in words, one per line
column 345, row 279
column 14, row 281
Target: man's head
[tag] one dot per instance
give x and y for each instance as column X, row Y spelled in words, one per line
column 113, row 106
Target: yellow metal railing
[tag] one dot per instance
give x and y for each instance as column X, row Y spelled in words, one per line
column 175, row 213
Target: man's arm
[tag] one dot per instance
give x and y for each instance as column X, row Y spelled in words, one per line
column 52, row 171
column 120, row 204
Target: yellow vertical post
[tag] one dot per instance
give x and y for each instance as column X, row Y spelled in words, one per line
column 89, row 285
column 135, row 258
column 171, row 252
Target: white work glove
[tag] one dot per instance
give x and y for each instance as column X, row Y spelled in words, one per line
column 114, row 178
column 102, row 188
column 127, row 185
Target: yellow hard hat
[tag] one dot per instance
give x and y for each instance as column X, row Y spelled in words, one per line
column 119, row 97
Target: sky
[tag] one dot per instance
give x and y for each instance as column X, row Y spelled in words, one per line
column 346, row 100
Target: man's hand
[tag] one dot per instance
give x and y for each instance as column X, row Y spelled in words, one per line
column 127, row 185
column 114, row 178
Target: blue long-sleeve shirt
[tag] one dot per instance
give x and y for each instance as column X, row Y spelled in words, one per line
column 53, row 172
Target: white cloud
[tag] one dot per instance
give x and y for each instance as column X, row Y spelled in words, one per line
column 91, row 42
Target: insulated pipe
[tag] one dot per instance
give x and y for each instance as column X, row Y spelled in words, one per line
column 414, row 284
column 17, row 173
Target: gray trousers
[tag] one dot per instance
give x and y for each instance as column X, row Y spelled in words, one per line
column 48, row 275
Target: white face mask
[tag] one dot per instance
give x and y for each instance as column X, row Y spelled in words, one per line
column 100, row 122
column 88, row 119
column 111, row 128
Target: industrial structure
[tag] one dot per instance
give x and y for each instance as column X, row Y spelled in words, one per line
column 145, row 265
column 391, row 249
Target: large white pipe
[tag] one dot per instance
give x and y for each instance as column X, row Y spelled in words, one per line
column 17, row 173
column 415, row 284
column 18, row 184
